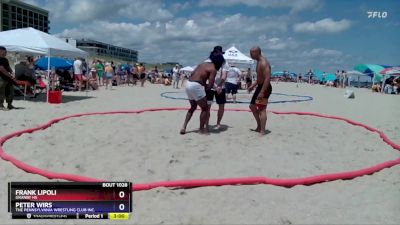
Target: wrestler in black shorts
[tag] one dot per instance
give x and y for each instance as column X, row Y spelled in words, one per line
column 220, row 98
column 257, row 92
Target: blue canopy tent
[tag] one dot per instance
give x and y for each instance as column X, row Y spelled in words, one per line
column 56, row 63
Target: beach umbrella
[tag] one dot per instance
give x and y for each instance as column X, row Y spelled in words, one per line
column 388, row 72
column 330, row 77
column 391, row 71
column 372, row 70
column 277, row 73
column 293, row 76
column 56, row 63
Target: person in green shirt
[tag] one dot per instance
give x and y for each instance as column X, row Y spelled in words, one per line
column 100, row 72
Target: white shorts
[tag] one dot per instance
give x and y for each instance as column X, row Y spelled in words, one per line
column 195, row 91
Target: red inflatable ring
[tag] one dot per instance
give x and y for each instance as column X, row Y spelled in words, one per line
column 206, row 182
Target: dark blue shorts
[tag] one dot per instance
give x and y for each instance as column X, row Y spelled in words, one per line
column 231, row 88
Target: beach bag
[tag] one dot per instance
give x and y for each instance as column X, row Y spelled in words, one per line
column 349, row 94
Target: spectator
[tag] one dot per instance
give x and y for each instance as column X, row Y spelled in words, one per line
column 109, row 75
column 7, row 81
column 310, row 76
column 337, row 79
column 100, row 72
column 388, row 87
column 175, row 76
column 142, row 73
column 134, row 73
column 345, row 79
column 120, row 75
column 377, row 87
column 84, row 68
column 396, row 84
column 93, row 83
column 299, row 79
column 248, row 78
column 184, row 78
column 78, row 74
column 93, row 70
column 231, row 84
column 23, row 72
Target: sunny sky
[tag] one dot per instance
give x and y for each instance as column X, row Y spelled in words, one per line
column 294, row 34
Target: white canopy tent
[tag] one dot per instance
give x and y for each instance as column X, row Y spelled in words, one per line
column 32, row 41
column 235, row 57
column 355, row 73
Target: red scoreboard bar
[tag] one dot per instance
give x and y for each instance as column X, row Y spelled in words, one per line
column 69, row 200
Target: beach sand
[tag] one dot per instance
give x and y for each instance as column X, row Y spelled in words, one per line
column 147, row 147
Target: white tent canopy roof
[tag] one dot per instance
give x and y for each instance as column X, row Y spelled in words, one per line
column 356, row 73
column 187, row 69
column 233, row 55
column 29, row 40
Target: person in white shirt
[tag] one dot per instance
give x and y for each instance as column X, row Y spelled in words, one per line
column 219, row 88
column 78, row 74
column 175, row 76
column 231, row 84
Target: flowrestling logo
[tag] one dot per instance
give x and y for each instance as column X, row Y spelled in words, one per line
column 377, row 14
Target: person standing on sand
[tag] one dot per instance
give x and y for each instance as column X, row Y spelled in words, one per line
column 100, row 72
column 196, row 88
column 299, row 79
column 345, row 79
column 175, row 76
column 259, row 102
column 184, row 78
column 142, row 73
column 78, row 74
column 310, row 77
column 248, row 78
column 7, row 81
column 109, row 75
column 218, row 91
column 232, row 80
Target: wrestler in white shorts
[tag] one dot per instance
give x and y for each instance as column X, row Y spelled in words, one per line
column 195, row 91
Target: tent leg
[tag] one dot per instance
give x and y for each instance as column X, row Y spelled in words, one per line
column 48, row 78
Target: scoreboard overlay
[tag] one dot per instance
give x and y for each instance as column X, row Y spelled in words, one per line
column 70, row 200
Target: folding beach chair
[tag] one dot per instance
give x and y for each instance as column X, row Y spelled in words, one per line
column 22, row 87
